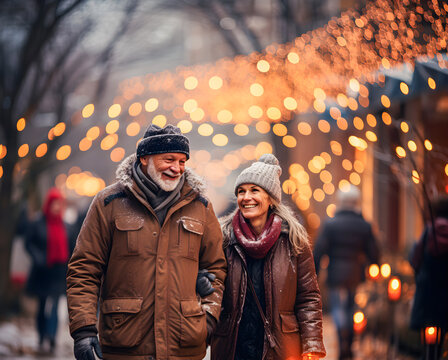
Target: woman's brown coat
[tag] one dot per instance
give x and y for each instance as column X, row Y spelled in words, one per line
column 293, row 303
column 145, row 273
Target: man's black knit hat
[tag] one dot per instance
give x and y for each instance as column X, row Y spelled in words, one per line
column 159, row 140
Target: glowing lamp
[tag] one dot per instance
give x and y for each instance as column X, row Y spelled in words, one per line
column 374, row 272
column 394, row 289
column 431, row 334
column 359, row 322
column 385, row 270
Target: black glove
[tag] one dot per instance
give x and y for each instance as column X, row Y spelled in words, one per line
column 203, row 283
column 83, row 348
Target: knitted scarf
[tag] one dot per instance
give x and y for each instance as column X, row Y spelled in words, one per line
column 256, row 246
column 57, row 242
column 159, row 199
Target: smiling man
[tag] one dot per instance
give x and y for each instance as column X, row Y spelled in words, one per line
column 149, row 244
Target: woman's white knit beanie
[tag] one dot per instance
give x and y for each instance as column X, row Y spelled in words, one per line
column 265, row 173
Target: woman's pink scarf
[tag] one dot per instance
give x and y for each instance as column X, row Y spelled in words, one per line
column 256, row 246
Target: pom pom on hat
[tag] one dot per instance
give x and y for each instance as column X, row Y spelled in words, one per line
column 265, row 173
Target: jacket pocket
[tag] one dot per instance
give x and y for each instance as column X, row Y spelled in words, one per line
column 120, row 326
column 289, row 322
column 190, row 237
column 128, row 228
column 224, row 325
column 193, row 324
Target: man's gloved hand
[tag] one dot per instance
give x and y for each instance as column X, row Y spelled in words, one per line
column 204, row 283
column 83, row 348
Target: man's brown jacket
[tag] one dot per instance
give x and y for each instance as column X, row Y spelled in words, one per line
column 142, row 275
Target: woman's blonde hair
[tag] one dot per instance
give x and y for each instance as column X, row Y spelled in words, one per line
column 298, row 236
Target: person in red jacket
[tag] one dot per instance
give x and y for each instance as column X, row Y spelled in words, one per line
column 48, row 241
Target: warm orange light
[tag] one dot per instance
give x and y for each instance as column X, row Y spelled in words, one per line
column 374, row 271
column 293, row 58
column 255, row 112
column 23, row 150
column 404, row 127
column 215, row 82
column 428, row 145
column 404, row 88
column 385, row 270
column 185, row 126
column 151, row 105
column 85, row 144
column 41, row 150
column 279, row 130
column 135, row 109
column 93, row 133
column 87, row 111
column 241, row 129
column 114, row 111
column 273, row 113
column 359, row 322
column 358, row 123
column 263, row 148
column 159, row 120
column 431, row 335
column 133, row 129
column 387, row 119
column 385, row 101
column 324, row 126
column 205, row 129
column 256, row 89
column 431, row 83
column 21, row 123
column 191, row 83
column 263, row 66
column 415, row 176
column 109, row 141
column 263, row 127
column 412, row 145
column 304, row 128
column 289, row 187
column 3, row 151
column 401, row 153
column 220, row 140
column 63, row 152
column 112, row 126
column 117, row 154
column 394, row 289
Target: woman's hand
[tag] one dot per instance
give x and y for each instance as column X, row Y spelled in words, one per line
column 310, row 357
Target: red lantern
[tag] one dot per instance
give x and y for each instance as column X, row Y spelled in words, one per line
column 394, row 289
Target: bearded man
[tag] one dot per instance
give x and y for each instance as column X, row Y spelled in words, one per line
column 142, row 245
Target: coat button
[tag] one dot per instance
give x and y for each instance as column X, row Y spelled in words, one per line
column 154, row 234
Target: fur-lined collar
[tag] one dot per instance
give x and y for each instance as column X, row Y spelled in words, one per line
column 124, row 176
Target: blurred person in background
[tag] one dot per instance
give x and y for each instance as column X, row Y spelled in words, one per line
column 348, row 241
column 271, row 304
column 49, row 242
column 150, row 243
column 429, row 258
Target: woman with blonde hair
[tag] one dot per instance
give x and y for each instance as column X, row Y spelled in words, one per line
column 271, row 305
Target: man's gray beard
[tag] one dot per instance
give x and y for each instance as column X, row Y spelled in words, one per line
column 156, row 176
